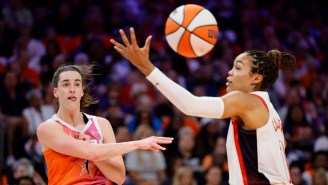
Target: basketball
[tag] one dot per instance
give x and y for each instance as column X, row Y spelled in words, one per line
column 191, row 30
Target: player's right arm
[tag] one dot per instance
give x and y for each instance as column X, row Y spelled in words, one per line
column 236, row 104
column 51, row 135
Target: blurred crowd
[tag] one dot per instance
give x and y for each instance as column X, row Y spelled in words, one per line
column 38, row 36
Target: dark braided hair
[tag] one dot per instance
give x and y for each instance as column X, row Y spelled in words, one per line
column 86, row 73
column 268, row 63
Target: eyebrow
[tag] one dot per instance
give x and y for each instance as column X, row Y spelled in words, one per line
column 67, row 80
column 239, row 61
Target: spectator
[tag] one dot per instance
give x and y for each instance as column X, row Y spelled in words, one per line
column 144, row 115
column 184, row 176
column 296, row 170
column 25, row 180
column 35, row 114
column 214, row 176
column 12, row 115
column 145, row 167
column 23, row 167
column 218, row 157
column 320, row 177
column 319, row 160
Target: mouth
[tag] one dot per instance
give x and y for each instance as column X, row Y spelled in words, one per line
column 72, row 98
column 228, row 82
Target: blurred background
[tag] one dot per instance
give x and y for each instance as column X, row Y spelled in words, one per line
column 36, row 37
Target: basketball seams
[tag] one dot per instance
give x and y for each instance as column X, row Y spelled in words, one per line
column 201, row 27
column 193, row 50
column 191, row 46
column 175, row 29
column 192, row 32
column 179, row 48
column 192, row 20
column 202, row 38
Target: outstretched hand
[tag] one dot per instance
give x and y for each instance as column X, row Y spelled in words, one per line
column 139, row 57
column 153, row 143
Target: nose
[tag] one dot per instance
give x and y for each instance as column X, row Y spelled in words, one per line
column 72, row 89
column 230, row 72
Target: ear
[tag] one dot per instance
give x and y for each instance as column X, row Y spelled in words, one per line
column 257, row 79
column 55, row 92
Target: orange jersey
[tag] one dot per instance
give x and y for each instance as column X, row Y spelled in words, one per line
column 65, row 169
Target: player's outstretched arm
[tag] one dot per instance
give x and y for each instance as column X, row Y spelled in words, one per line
column 185, row 101
column 51, row 136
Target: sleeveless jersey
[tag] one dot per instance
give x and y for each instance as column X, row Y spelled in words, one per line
column 67, row 170
column 258, row 156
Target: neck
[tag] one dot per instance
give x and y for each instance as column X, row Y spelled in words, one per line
column 71, row 117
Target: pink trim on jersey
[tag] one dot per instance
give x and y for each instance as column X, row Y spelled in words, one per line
column 69, row 131
column 240, row 156
column 92, row 131
column 262, row 100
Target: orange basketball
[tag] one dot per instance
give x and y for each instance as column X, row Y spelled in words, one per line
column 191, row 30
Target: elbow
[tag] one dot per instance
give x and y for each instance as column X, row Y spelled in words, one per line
column 121, row 175
column 188, row 107
column 189, row 110
column 93, row 155
column 121, row 178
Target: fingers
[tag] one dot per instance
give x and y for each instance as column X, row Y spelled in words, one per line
column 163, row 140
column 119, row 50
column 117, row 44
column 147, row 44
column 118, row 47
column 160, row 140
column 157, row 147
column 133, row 38
column 124, row 38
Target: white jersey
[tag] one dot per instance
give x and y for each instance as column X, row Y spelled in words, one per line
column 258, row 156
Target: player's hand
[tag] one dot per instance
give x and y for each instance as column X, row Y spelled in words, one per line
column 139, row 57
column 84, row 137
column 153, row 143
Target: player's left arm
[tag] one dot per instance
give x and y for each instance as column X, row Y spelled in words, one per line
column 112, row 168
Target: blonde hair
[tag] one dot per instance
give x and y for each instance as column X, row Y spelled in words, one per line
column 138, row 134
column 181, row 171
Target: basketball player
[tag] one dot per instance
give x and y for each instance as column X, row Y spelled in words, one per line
column 255, row 141
column 81, row 148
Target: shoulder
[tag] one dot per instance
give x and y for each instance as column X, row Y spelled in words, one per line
column 101, row 119
column 46, row 128
column 239, row 98
column 48, row 125
column 106, row 129
column 103, row 123
column 237, row 103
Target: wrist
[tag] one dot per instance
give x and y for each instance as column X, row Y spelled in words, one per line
column 137, row 144
column 147, row 69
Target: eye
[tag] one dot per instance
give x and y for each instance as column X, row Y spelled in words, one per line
column 77, row 84
column 65, row 84
column 237, row 68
